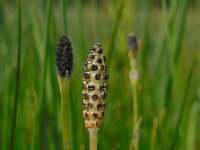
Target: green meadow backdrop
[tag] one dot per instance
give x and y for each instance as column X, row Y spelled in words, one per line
column 168, row 58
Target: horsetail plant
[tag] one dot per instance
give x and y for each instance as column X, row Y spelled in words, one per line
column 134, row 78
column 64, row 62
column 94, row 92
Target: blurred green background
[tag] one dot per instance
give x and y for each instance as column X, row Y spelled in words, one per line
column 168, row 60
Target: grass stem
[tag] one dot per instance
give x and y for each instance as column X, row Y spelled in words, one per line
column 176, row 137
column 93, row 138
column 115, row 31
column 16, row 98
column 42, row 105
column 154, row 134
column 134, row 77
column 65, row 112
column 134, row 82
column 63, row 6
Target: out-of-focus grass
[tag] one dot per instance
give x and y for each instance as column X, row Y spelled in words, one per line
column 168, row 37
column 18, row 70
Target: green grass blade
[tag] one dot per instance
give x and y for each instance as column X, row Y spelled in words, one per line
column 16, row 98
column 43, row 113
column 63, row 4
column 183, row 105
column 115, row 31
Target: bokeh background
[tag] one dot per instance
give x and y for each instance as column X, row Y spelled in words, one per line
column 168, row 58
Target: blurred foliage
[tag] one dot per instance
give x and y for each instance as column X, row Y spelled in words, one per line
column 168, row 62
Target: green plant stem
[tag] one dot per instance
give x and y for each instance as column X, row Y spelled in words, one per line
column 65, row 112
column 176, row 137
column 16, row 98
column 42, row 103
column 154, row 133
column 134, row 77
column 134, row 83
column 115, row 31
column 63, row 6
column 93, row 138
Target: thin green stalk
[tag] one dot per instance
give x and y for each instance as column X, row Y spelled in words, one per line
column 168, row 16
column 43, row 109
column 183, row 106
column 65, row 112
column 80, row 26
column 180, row 28
column 64, row 17
column 46, row 56
column 115, row 31
column 134, row 74
column 16, row 98
column 192, row 125
column 134, row 82
column 80, row 37
column 154, row 133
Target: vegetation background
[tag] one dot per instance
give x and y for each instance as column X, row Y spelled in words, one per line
column 168, row 59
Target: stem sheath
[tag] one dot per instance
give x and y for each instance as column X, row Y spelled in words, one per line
column 93, row 138
column 65, row 112
column 134, row 78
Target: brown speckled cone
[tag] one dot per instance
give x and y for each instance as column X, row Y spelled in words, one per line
column 94, row 87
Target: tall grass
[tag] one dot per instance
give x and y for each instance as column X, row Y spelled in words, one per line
column 169, row 90
column 16, row 98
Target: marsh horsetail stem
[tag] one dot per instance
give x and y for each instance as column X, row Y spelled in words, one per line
column 64, row 62
column 94, row 92
column 134, row 78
